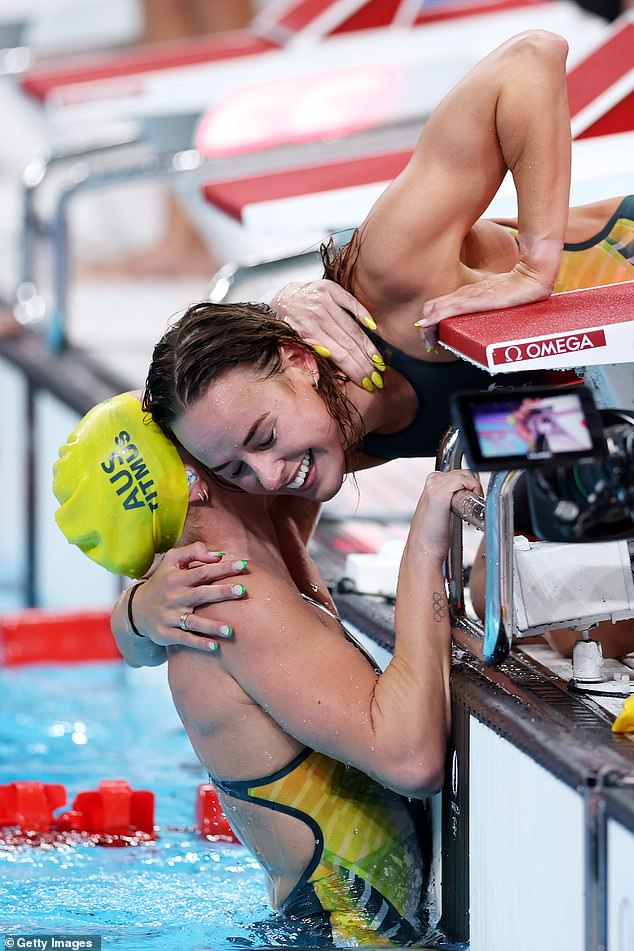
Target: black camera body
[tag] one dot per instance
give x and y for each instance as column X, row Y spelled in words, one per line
column 579, row 459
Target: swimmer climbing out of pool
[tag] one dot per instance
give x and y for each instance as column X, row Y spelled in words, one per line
column 303, row 737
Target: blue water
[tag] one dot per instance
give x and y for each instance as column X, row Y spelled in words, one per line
column 80, row 724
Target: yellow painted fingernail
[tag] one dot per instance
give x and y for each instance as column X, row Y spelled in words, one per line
column 370, row 324
column 377, row 379
column 322, row 351
column 367, row 384
column 378, row 362
column 420, row 323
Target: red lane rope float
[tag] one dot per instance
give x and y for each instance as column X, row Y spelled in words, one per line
column 29, row 805
column 211, row 822
column 112, row 815
column 34, row 636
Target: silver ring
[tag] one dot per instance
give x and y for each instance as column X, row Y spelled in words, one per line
column 183, row 621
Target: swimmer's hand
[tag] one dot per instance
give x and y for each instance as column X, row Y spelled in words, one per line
column 429, row 528
column 164, row 606
column 522, row 285
column 327, row 317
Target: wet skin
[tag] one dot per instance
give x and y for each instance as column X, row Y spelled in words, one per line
column 267, row 436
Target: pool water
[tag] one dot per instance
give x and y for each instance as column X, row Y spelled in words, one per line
column 80, row 724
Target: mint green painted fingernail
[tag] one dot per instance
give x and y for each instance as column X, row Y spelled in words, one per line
column 225, row 630
column 239, row 590
column 213, row 647
column 217, row 554
column 240, row 564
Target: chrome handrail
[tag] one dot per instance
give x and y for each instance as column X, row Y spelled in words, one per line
column 490, row 641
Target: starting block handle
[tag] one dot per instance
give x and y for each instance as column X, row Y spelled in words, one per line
column 498, row 615
column 490, row 642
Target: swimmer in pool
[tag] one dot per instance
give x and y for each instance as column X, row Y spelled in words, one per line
column 312, row 749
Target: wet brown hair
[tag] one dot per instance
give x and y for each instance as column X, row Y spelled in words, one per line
column 340, row 262
column 211, row 339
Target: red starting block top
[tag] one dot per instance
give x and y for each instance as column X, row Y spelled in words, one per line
column 46, row 78
column 322, row 17
column 234, row 196
column 601, row 86
column 580, row 328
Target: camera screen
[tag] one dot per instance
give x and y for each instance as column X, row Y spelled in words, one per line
column 532, row 425
column 525, row 427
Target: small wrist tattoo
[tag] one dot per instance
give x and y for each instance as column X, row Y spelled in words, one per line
column 439, row 606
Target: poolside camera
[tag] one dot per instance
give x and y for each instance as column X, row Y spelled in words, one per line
column 579, row 459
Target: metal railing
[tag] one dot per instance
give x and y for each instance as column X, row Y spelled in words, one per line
column 491, row 640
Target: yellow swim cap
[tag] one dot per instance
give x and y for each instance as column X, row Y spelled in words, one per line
column 121, row 486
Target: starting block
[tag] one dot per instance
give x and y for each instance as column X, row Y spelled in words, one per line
column 582, row 328
column 592, row 332
column 601, row 87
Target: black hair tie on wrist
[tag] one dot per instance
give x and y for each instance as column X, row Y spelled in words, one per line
column 133, row 591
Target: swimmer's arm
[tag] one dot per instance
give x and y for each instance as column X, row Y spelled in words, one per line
column 137, row 651
column 184, row 579
column 318, row 687
column 509, row 112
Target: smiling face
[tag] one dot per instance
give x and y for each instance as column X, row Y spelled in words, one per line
column 267, row 435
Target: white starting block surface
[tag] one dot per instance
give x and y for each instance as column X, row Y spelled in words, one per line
column 195, row 86
column 337, row 191
column 578, row 329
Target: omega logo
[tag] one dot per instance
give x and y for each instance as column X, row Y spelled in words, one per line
column 548, row 347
